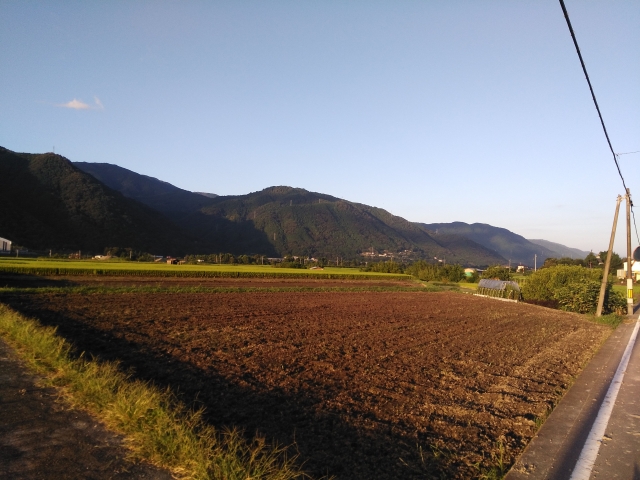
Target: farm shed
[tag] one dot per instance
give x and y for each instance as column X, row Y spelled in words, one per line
column 468, row 272
column 5, row 245
column 503, row 289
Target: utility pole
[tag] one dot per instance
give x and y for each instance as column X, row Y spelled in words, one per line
column 629, row 272
column 607, row 263
column 535, row 262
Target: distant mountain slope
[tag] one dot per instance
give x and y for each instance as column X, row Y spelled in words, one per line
column 561, row 250
column 155, row 193
column 284, row 220
column 296, row 221
column 509, row 245
column 49, row 203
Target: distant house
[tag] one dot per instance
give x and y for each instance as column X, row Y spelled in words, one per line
column 5, row 246
column 635, row 270
column 469, row 272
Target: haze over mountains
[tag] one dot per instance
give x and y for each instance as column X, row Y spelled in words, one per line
column 52, row 203
column 509, row 245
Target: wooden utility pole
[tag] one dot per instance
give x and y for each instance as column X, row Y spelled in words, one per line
column 629, row 271
column 607, row 263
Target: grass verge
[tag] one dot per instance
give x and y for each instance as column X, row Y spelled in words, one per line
column 156, row 426
column 612, row 319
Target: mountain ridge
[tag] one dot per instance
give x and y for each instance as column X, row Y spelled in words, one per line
column 50, row 203
column 275, row 221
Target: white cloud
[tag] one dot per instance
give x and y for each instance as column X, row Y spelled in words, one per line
column 80, row 105
column 75, row 104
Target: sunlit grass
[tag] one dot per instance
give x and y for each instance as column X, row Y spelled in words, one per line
column 43, row 266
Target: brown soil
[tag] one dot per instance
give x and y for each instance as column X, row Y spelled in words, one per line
column 32, row 281
column 367, row 385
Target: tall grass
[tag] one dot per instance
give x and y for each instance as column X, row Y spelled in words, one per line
column 156, row 426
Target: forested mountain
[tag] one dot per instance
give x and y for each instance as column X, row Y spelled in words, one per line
column 283, row 220
column 296, row 221
column 507, row 244
column 159, row 195
column 49, row 203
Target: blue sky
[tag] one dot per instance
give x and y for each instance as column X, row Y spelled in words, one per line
column 437, row 111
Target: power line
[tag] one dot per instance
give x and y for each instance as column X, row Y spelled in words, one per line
column 604, row 128
column 634, row 223
column 593, row 95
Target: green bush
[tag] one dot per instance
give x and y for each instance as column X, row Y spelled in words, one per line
column 571, row 288
column 497, row 272
column 384, row 267
column 473, row 278
column 430, row 273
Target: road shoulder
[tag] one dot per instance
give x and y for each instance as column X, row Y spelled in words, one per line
column 553, row 452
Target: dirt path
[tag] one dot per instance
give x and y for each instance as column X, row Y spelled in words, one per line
column 40, row 439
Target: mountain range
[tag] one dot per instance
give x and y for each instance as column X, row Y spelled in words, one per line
column 50, row 202
column 513, row 247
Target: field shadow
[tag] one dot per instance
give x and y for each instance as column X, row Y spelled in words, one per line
column 19, row 280
column 327, row 444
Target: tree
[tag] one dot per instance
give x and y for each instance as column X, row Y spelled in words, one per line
column 497, row 272
column 616, row 262
column 591, row 260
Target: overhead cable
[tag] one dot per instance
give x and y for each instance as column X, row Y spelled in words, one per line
column 595, row 102
column 634, row 224
column 593, row 95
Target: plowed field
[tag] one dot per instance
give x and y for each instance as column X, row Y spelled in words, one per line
column 368, row 385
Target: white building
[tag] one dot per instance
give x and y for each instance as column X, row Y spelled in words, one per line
column 5, row 245
column 635, row 270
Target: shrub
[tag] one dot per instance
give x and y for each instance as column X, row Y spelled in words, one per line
column 497, row 272
column 571, row 288
column 429, row 273
column 384, row 267
column 473, row 278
